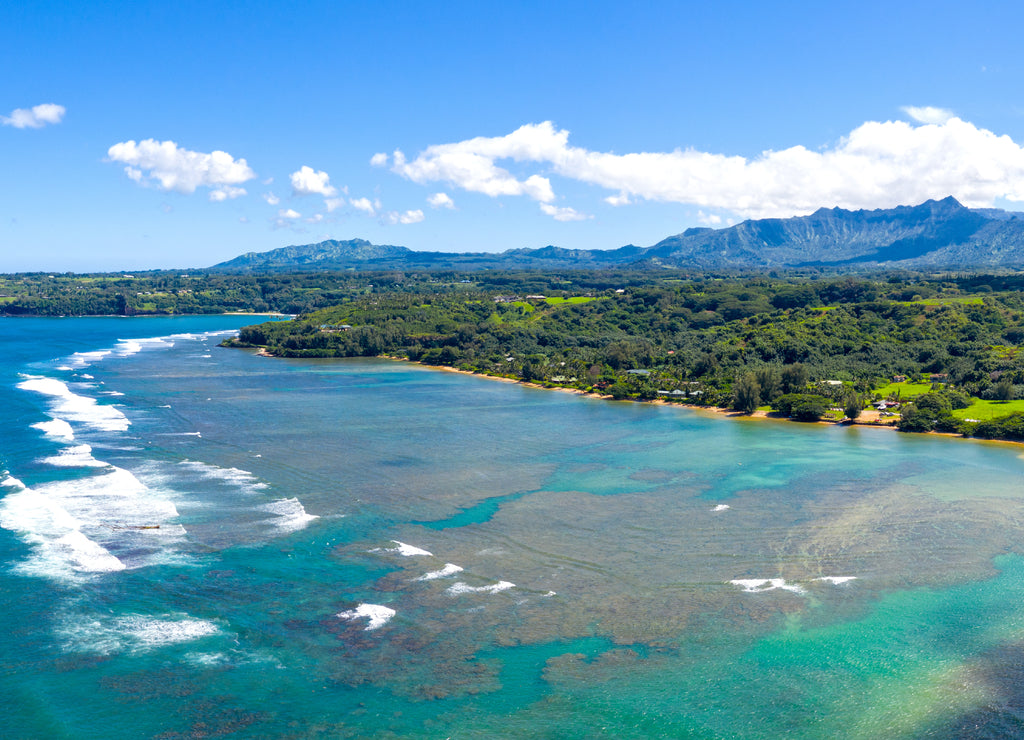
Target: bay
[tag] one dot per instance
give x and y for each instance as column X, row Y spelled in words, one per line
column 204, row 542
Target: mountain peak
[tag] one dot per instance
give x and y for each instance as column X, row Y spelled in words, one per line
column 936, row 233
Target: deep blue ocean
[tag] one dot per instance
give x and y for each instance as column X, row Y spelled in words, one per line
column 201, row 542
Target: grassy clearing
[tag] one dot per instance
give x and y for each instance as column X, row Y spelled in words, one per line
column 554, row 300
column 984, row 410
column 906, row 390
column 945, row 300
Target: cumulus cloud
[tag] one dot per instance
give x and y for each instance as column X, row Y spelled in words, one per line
column 471, row 166
column 379, row 159
column 409, row 217
column 441, row 200
column 622, row 199
column 927, row 114
column 563, row 214
column 333, row 204
column 365, row 205
column 307, row 181
column 35, row 117
column 226, row 192
column 877, row 165
column 171, row 167
column 286, row 218
column 271, row 199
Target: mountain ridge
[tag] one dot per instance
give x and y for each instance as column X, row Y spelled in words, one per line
column 934, row 234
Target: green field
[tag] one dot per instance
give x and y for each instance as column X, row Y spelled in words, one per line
column 968, row 300
column 554, row 300
column 906, row 390
column 985, row 410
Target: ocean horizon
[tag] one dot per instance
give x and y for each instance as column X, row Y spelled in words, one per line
column 203, row 542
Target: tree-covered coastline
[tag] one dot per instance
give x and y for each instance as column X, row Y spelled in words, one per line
column 806, row 347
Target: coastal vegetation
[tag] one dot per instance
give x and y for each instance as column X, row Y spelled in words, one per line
column 806, row 347
column 943, row 351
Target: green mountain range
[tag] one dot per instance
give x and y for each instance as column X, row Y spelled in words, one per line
column 934, row 234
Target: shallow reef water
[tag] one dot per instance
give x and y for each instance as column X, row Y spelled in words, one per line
column 197, row 541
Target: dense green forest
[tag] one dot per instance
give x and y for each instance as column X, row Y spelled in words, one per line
column 177, row 292
column 159, row 293
column 807, row 347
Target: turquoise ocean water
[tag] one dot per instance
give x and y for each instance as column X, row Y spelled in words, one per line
column 199, row 542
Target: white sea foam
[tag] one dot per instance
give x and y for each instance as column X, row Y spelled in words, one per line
column 449, row 569
column 241, row 478
column 205, row 660
column 377, row 614
column 84, row 359
column 10, row 481
column 289, row 514
column 129, row 347
column 760, row 585
column 722, row 507
column 465, row 588
column 133, row 633
column 837, row 580
column 76, row 456
column 407, row 550
column 73, row 407
column 96, row 524
column 83, row 554
column 56, row 429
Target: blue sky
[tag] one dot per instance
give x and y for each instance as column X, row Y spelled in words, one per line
column 175, row 135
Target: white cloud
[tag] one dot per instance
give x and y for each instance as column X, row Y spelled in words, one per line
column 928, row 114
column 364, row 205
column 35, row 117
column 441, row 200
column 622, row 199
column 380, row 159
column 226, row 192
column 307, row 181
column 315, row 218
column 286, row 218
column 171, row 167
column 878, row 165
column 471, row 166
column 709, row 219
column 409, row 217
column 271, row 199
column 563, row 214
column 333, row 204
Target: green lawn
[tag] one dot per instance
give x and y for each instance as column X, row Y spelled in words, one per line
column 906, row 390
column 984, row 410
column 555, row 300
column 971, row 300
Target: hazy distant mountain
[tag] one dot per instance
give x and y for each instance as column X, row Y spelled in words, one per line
column 940, row 233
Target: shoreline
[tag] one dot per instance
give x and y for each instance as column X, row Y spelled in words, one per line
column 870, row 423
